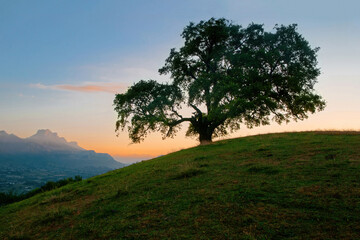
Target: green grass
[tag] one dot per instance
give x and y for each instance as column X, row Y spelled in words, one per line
column 275, row 186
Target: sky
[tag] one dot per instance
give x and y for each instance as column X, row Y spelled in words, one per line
column 62, row 62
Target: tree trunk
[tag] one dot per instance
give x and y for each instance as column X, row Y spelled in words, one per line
column 202, row 127
column 205, row 138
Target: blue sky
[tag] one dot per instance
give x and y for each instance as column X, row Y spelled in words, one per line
column 62, row 61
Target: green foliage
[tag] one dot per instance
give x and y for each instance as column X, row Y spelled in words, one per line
column 307, row 189
column 11, row 197
column 229, row 75
column 151, row 106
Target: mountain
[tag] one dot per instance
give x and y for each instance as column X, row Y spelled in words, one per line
column 42, row 141
column 52, row 142
column 9, row 143
column 30, row 162
column 275, row 186
column 5, row 137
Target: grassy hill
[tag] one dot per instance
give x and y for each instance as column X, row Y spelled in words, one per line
column 289, row 185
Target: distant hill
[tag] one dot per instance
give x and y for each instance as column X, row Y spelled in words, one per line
column 275, row 186
column 30, row 162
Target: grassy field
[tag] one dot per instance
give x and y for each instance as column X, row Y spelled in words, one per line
column 275, row 186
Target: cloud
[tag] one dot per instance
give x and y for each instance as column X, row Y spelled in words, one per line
column 21, row 95
column 111, row 77
column 41, row 86
column 87, row 87
column 92, row 88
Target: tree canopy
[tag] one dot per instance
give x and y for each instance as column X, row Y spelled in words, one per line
column 230, row 76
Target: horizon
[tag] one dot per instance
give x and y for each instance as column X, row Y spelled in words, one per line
column 61, row 67
column 129, row 159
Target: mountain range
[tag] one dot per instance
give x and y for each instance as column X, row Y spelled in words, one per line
column 42, row 141
column 30, row 162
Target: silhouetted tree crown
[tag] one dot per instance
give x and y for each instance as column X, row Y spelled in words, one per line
column 229, row 76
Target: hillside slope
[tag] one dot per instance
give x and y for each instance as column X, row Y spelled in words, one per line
column 274, row 186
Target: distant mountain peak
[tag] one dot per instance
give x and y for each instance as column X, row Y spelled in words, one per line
column 45, row 132
column 52, row 141
column 4, row 136
column 3, row 133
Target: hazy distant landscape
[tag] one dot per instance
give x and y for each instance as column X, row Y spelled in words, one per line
column 28, row 163
column 23, row 179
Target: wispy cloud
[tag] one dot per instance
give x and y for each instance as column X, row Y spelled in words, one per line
column 42, row 86
column 111, row 77
column 110, row 88
column 21, row 95
column 86, row 87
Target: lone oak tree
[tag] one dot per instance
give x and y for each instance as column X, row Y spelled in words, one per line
column 228, row 75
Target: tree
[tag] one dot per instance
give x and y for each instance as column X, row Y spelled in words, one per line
column 229, row 76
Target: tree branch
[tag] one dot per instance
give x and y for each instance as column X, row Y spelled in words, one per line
column 196, row 109
column 175, row 123
column 176, row 113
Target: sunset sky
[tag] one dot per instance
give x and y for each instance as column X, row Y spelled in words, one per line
column 61, row 62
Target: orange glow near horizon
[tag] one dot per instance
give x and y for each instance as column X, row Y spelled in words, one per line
column 151, row 147
column 96, row 130
column 154, row 145
column 103, row 139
